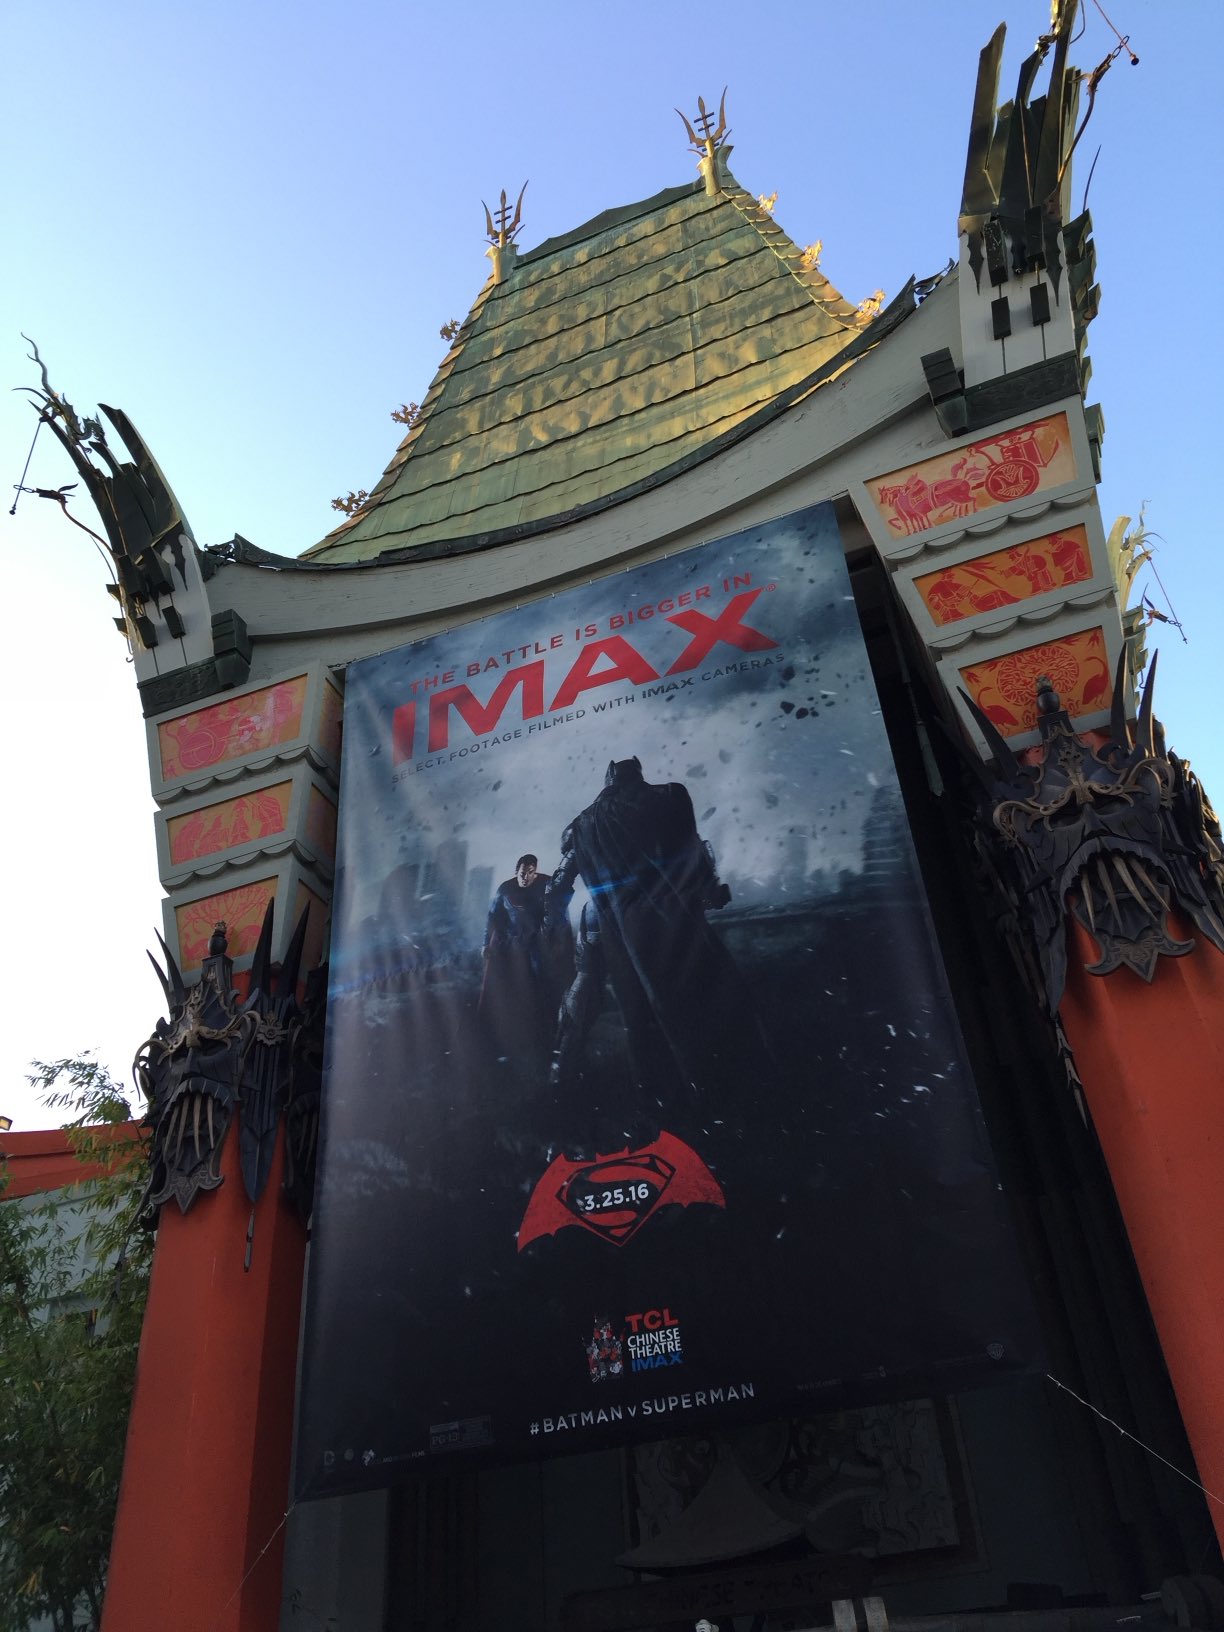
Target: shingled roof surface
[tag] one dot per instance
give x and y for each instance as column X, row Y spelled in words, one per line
column 604, row 359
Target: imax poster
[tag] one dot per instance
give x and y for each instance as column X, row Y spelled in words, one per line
column 646, row 1109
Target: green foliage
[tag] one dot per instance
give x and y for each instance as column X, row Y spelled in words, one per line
column 74, row 1272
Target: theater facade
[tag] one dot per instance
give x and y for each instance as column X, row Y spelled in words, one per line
column 684, row 899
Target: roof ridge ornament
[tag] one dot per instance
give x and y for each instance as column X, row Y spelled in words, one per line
column 140, row 515
column 501, row 228
column 709, row 142
column 1017, row 190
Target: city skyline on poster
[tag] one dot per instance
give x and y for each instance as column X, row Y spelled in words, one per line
column 720, row 1035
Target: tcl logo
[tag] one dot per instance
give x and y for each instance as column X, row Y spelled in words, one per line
column 651, row 1320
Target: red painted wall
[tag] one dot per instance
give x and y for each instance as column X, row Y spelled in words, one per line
column 199, row 1539
column 31, row 1163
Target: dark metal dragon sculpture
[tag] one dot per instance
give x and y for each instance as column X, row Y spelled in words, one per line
column 217, row 1057
column 1109, row 825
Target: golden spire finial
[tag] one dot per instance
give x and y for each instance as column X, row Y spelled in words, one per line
column 506, row 227
column 709, row 141
column 501, row 233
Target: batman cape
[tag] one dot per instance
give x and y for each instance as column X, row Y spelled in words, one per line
column 690, row 1027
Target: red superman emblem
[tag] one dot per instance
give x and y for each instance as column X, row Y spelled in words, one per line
column 614, row 1195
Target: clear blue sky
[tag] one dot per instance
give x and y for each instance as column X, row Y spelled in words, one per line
column 245, row 224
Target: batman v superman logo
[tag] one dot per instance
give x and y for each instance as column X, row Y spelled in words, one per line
column 614, row 1195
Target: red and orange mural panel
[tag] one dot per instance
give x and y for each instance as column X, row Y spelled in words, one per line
column 233, row 729
column 1005, row 577
column 1005, row 688
column 233, row 821
column 321, row 824
column 242, row 912
column 1000, row 469
column 330, row 717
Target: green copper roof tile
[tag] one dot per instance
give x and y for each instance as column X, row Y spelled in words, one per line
column 619, row 325
column 611, row 365
column 605, row 358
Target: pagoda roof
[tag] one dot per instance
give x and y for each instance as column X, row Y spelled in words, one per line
column 605, row 360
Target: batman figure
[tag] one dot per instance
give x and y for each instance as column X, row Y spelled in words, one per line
column 651, row 879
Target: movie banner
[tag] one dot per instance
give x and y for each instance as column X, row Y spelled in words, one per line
column 646, row 1111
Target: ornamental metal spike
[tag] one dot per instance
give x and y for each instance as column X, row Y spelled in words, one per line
column 161, row 975
column 261, row 964
column 1124, row 874
column 1145, row 737
column 178, row 987
column 1117, row 712
column 1102, row 867
column 1086, row 898
column 286, row 984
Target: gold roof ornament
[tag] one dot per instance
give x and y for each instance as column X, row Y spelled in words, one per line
column 709, row 141
column 501, row 231
column 871, row 307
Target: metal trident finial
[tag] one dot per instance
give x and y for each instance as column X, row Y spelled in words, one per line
column 503, row 232
column 709, row 141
